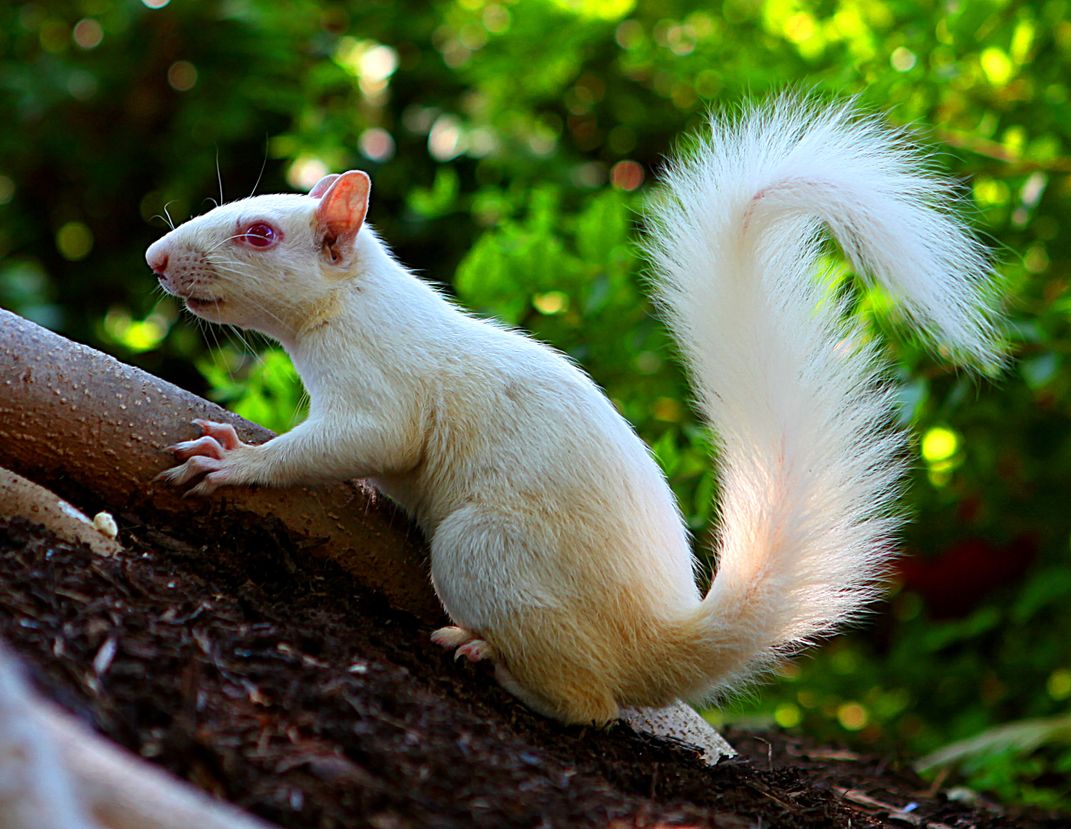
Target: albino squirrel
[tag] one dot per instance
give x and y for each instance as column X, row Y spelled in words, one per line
column 557, row 547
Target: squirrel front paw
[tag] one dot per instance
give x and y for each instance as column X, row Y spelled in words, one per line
column 211, row 460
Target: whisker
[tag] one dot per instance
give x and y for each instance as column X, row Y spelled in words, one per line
column 263, row 165
column 219, row 176
column 242, row 282
column 170, row 221
column 218, row 359
column 222, row 242
column 237, row 332
column 304, row 401
column 216, row 329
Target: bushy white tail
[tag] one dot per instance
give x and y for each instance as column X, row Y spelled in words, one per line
column 809, row 462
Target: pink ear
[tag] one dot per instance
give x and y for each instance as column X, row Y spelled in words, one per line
column 341, row 212
column 320, row 187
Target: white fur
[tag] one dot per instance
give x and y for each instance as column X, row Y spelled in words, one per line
column 557, row 546
column 792, row 388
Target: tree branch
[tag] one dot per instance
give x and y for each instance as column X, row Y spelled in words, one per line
column 70, row 415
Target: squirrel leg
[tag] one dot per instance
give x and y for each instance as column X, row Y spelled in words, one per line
column 588, row 705
column 579, row 702
column 528, row 698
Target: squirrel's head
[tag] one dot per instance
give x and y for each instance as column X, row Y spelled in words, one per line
column 270, row 263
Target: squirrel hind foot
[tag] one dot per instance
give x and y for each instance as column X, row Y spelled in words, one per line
column 475, row 650
column 464, row 643
column 452, row 637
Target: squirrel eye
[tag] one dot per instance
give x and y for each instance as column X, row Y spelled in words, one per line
column 259, row 235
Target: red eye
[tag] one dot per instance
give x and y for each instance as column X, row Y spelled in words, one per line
column 260, row 235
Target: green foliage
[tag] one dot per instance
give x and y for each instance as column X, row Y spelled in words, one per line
column 267, row 391
column 511, row 146
column 1008, row 759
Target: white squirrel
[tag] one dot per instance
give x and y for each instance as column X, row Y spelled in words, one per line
column 557, row 547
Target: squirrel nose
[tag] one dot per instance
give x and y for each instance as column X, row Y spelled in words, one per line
column 157, row 257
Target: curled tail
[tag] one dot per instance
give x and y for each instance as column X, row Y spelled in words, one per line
column 808, row 459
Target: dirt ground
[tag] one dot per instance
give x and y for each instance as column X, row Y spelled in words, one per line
column 274, row 681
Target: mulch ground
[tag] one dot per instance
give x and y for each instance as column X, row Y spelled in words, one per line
column 274, row 681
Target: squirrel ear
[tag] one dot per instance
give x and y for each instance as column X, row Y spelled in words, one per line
column 340, row 214
column 320, row 187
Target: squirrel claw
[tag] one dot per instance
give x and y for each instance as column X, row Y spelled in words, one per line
column 452, row 636
column 221, row 433
column 475, row 651
column 209, row 484
column 464, row 643
column 206, row 446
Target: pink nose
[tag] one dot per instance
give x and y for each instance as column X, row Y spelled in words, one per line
column 157, row 256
